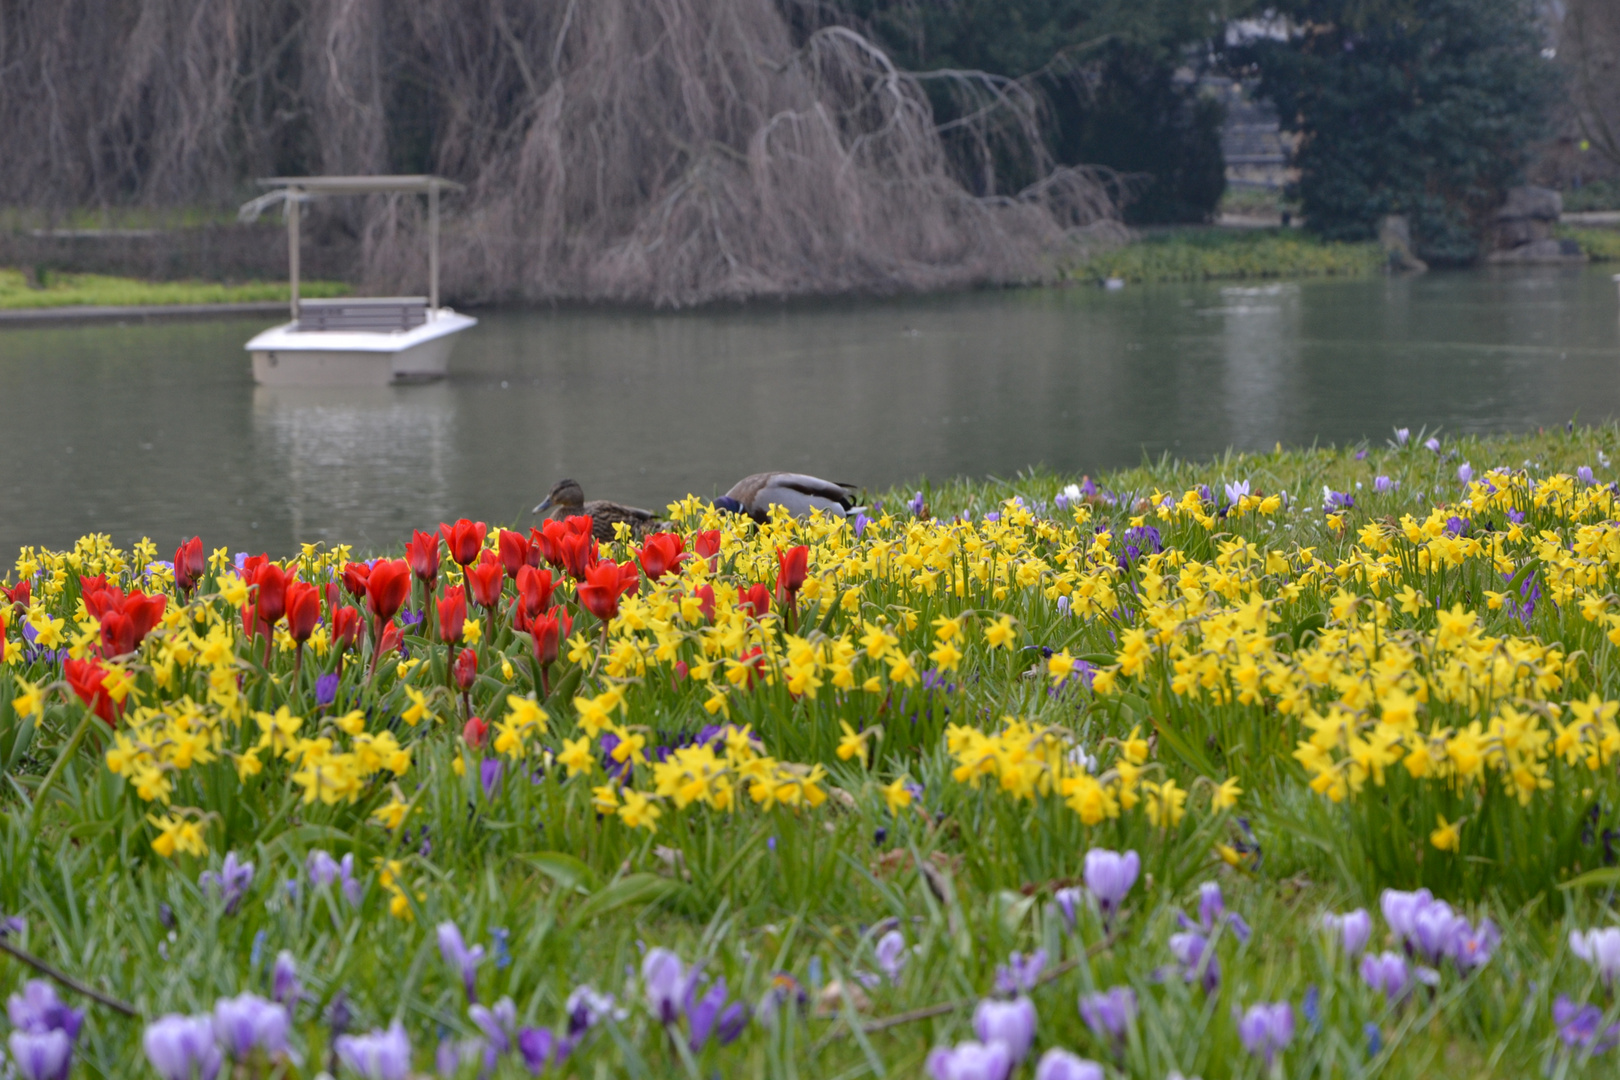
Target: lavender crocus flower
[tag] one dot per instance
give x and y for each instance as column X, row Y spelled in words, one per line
column 37, row 1009
column 182, row 1047
column 1402, row 435
column 891, row 954
column 1353, row 929
column 1212, row 910
column 970, row 1061
column 462, row 960
column 321, row 868
column 665, row 982
column 284, row 984
column 1267, row 1029
column 454, row 1054
column 230, row 883
column 861, row 522
column 1383, row 485
column 1010, row 1023
column 1465, row 472
column 1599, row 948
column 377, row 1055
column 489, row 775
column 42, row 1055
column 1334, row 501
column 712, row 1015
column 1020, row 973
column 1068, row 902
column 1197, row 960
column 586, row 1008
column 538, row 1047
column 247, row 1022
column 326, row 688
column 1582, row 1026
column 1109, row 1013
column 1584, row 474
column 1236, row 491
column 1110, row 875
column 498, row 1023
column 12, row 924
column 917, row 504
column 1401, row 909
column 1061, row 1065
column 1432, row 445
column 1387, row 973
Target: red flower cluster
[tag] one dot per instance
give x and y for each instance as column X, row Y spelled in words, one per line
column 125, row 620
column 189, row 565
column 87, row 678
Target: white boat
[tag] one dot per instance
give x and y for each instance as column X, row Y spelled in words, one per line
column 372, row 341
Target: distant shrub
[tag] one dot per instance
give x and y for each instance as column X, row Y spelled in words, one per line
column 1211, row 254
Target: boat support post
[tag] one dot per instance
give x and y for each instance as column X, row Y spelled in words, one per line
column 294, row 197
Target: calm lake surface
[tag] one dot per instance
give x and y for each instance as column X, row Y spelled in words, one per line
column 157, row 429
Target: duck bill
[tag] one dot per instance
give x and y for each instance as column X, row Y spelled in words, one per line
column 544, row 506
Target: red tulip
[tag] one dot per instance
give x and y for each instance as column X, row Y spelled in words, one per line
column 514, row 550
column 792, row 566
column 251, row 564
column 330, row 592
column 20, row 593
column 756, row 598
column 599, row 592
column 355, row 576
column 422, row 552
column 464, row 539
column 453, row 614
column 476, row 732
column 707, row 546
column 547, row 631
column 391, row 638
column 303, row 610
column 754, row 660
column 271, row 597
column 534, row 589
column 579, row 553
column 252, row 627
column 484, row 580
column 345, row 627
column 661, row 553
column 705, row 595
column 89, row 585
column 189, row 564
column 466, row 667
column 86, row 678
column 387, row 588
column 547, row 540
column 117, row 634
column 629, row 578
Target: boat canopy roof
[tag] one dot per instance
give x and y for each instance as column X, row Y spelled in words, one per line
column 362, row 185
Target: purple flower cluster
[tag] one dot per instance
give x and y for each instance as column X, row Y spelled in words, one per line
column 323, row 870
column 1429, row 929
column 376, row 1055
column 1109, row 1014
column 43, row 1032
column 1353, row 930
column 1020, row 973
column 186, row 1047
column 1581, row 1026
column 890, row 951
column 230, row 883
column 1192, row 948
column 1599, row 948
column 1267, row 1029
column 1136, row 542
column 671, row 992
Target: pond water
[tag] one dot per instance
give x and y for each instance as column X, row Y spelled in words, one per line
column 157, row 429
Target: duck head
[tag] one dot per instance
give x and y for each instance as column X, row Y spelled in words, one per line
column 565, row 493
column 726, row 502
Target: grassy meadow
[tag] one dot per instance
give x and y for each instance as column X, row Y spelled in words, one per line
column 1300, row 763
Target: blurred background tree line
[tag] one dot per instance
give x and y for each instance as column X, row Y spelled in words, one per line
column 614, row 111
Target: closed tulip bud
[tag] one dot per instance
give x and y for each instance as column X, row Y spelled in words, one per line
column 387, row 588
column 270, row 582
column 452, row 614
column 303, row 610
column 117, row 634
column 484, row 580
column 579, row 553
column 756, row 599
column 475, row 732
column 331, row 594
column 547, row 540
column 514, row 549
column 707, row 546
column 705, row 595
column 189, row 564
column 466, row 668
column 422, row 552
column 599, row 592
column 548, row 630
column 464, row 539
column 345, row 627
column 792, row 566
column 355, row 576
column 20, row 593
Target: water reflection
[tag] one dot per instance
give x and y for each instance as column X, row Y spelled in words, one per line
column 157, row 429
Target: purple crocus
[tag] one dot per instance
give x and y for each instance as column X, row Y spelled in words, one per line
column 1584, row 474
column 1068, row 902
column 230, row 883
column 1110, row 876
column 1109, row 1013
column 1383, row 485
column 586, row 1007
column 462, row 960
column 37, row 1009
column 891, row 954
column 1582, row 1026
column 1465, row 472
column 970, row 1061
column 489, row 775
column 1020, row 973
column 1335, row 501
column 917, row 504
column 1197, row 960
column 1237, row 491
column 182, row 1047
column 42, row 1055
column 378, row 1054
column 1387, row 973
column 498, row 1023
column 714, row 1016
column 247, row 1022
column 1061, row 1065
column 1353, row 929
column 1599, row 948
column 284, row 984
column 538, row 1047
column 326, row 688
column 1402, row 435
column 665, row 983
column 1009, row 1023
column 321, row 868
column 1432, row 445
column 1267, row 1029
column 1212, row 910
column 12, row 924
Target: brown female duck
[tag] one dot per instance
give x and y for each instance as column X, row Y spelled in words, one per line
column 567, row 499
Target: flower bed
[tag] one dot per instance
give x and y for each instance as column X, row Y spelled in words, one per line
column 1215, row 770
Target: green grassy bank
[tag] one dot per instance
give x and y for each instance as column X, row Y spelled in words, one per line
column 1213, row 254
column 53, row 290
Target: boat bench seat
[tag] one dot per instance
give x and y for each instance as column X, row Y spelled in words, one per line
column 380, row 315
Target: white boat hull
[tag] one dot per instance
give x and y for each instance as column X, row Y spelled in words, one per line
column 283, row 356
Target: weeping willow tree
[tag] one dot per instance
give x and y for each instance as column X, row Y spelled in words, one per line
column 665, row 151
